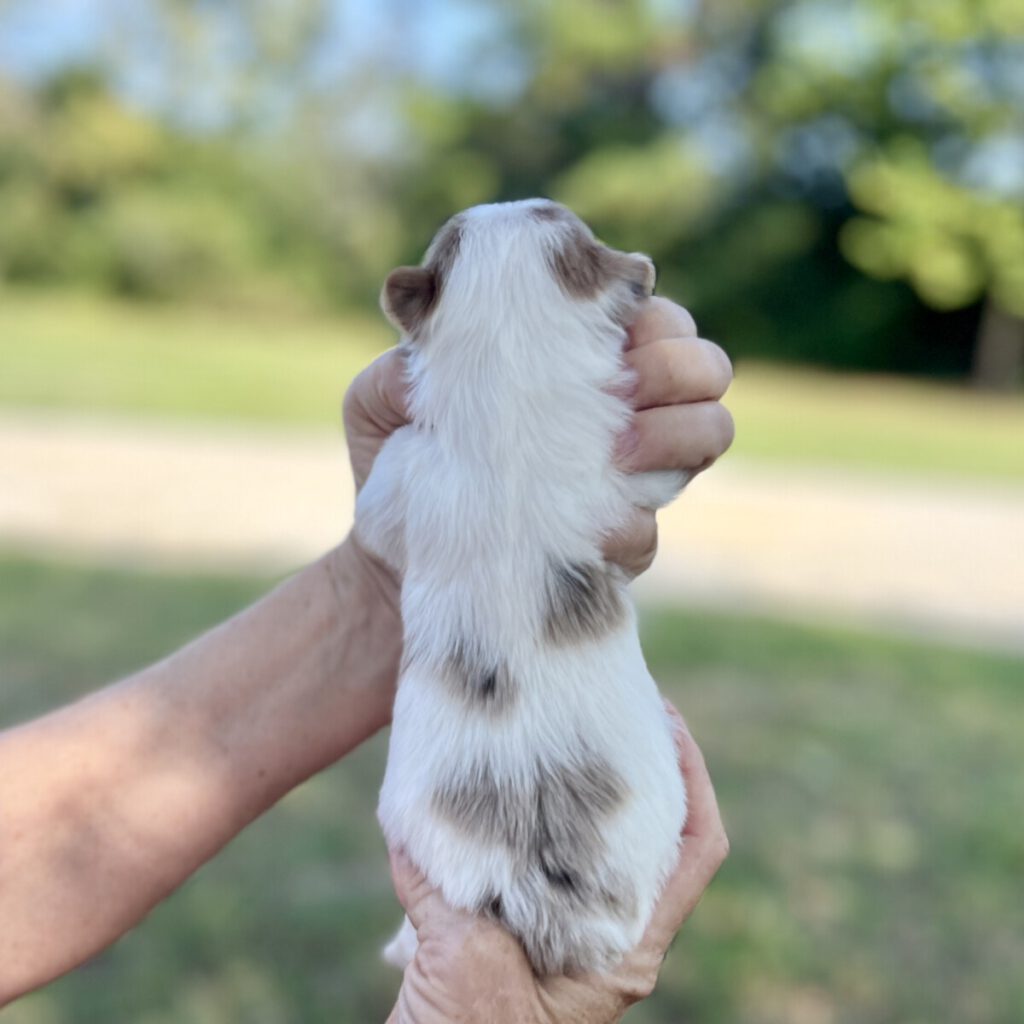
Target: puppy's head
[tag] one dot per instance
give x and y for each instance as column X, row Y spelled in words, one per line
column 516, row 242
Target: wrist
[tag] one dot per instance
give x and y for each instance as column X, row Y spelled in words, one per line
column 365, row 600
column 351, row 563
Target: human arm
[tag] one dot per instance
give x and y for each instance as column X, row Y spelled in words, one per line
column 107, row 805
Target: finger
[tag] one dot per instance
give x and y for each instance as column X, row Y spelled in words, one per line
column 686, row 437
column 660, row 318
column 378, row 397
column 674, row 370
column 418, row 897
column 704, row 847
column 634, row 546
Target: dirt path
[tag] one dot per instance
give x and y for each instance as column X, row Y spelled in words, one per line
column 939, row 557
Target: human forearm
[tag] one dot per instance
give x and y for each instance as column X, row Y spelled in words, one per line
column 109, row 804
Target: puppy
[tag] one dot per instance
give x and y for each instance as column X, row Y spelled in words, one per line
column 532, row 774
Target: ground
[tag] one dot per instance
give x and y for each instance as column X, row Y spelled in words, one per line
column 871, row 790
column 903, row 552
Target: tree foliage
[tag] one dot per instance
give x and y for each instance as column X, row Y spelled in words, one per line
column 822, row 179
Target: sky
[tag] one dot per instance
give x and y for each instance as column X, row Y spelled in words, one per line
column 436, row 41
column 38, row 38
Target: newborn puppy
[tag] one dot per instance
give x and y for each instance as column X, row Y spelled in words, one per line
column 532, row 774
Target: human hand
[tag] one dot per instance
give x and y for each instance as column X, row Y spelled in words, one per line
column 680, row 422
column 469, row 969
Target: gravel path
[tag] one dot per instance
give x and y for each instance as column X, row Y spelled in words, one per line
column 938, row 557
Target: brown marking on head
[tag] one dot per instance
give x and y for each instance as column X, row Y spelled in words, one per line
column 550, row 212
column 444, row 250
column 584, row 602
column 411, row 293
column 585, row 268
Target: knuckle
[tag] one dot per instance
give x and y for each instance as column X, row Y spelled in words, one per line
column 685, row 323
column 720, row 371
column 348, row 402
column 640, row 983
column 354, row 401
column 720, row 848
column 723, row 429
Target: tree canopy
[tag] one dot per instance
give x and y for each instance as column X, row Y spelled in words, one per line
column 827, row 180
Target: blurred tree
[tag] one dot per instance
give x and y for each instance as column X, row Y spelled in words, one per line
column 924, row 106
column 94, row 192
column 232, row 66
column 639, row 121
column 780, row 133
column 829, row 180
column 956, row 244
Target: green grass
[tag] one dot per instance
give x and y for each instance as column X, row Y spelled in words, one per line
column 872, row 790
column 876, row 423
column 84, row 353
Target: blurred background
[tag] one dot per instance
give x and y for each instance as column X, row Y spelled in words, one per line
column 198, row 203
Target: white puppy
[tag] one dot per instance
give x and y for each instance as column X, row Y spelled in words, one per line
column 532, row 774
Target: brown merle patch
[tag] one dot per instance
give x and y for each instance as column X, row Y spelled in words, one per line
column 480, row 682
column 551, row 212
column 444, row 251
column 584, row 602
column 581, row 265
column 550, row 823
column 585, row 268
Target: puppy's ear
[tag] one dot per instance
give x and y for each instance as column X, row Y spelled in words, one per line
column 408, row 296
column 641, row 274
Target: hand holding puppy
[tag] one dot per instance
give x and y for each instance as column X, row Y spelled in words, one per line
column 680, row 422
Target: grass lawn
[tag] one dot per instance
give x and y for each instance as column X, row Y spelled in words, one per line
column 86, row 353
column 872, row 790
column 877, row 423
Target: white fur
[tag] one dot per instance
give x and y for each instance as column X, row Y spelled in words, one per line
column 508, row 461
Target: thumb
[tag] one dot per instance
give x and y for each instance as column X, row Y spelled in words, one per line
column 420, row 900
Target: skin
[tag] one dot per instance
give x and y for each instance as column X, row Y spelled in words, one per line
column 107, row 805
